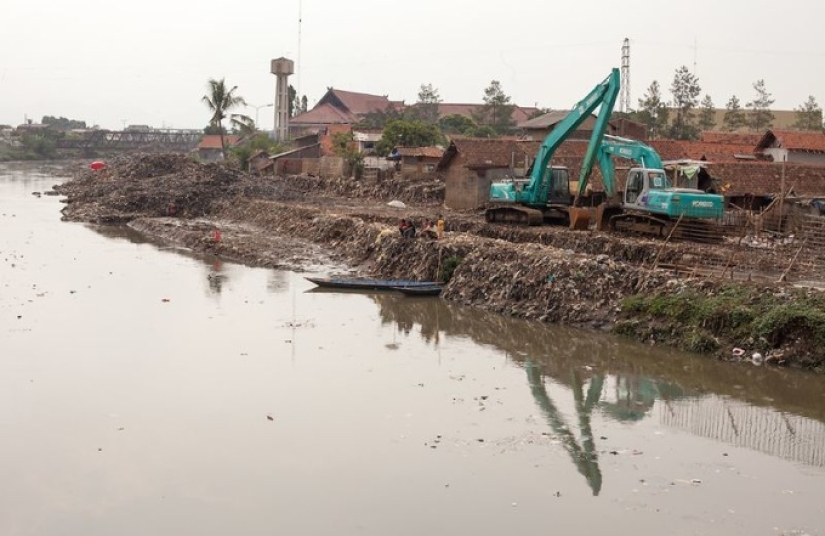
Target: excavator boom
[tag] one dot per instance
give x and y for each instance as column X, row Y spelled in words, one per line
column 529, row 202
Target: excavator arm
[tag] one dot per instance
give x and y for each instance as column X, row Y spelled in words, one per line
column 624, row 148
column 604, row 95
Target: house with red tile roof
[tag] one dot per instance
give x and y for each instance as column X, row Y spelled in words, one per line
column 417, row 160
column 209, row 149
column 339, row 107
column 798, row 146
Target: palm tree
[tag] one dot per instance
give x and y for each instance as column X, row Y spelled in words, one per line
column 220, row 101
column 243, row 124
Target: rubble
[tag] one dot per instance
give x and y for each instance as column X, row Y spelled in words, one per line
column 580, row 278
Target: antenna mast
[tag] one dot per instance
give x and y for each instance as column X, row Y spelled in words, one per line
column 300, row 21
column 624, row 94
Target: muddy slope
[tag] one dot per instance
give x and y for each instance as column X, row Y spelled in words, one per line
column 546, row 274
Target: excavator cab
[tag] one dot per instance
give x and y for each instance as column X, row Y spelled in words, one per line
column 559, row 191
column 640, row 182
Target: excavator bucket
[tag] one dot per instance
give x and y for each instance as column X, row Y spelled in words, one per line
column 604, row 213
column 579, row 218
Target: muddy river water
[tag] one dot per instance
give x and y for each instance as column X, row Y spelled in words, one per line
column 145, row 390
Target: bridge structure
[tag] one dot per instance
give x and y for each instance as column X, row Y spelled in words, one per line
column 154, row 140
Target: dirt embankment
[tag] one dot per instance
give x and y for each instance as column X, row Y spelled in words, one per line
column 546, row 274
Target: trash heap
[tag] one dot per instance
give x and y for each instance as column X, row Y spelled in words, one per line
column 149, row 185
column 427, row 191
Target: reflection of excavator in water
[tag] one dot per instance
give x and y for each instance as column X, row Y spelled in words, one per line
column 584, row 456
column 649, row 203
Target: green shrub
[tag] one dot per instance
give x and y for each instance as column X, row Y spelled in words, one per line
column 445, row 272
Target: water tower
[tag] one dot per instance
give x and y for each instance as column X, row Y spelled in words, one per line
column 282, row 68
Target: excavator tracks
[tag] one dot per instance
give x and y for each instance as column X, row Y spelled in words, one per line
column 514, row 214
column 691, row 230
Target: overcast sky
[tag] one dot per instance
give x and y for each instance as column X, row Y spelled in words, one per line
column 113, row 63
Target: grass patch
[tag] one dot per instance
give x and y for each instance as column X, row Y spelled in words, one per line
column 735, row 314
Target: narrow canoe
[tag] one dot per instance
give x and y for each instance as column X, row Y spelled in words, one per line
column 433, row 290
column 369, row 284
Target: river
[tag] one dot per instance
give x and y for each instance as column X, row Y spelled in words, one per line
column 146, row 390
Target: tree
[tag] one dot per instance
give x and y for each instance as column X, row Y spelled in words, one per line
column 41, row 144
column 62, row 123
column 456, row 124
column 480, row 131
column 294, row 101
column 808, row 115
column 297, row 104
column 497, row 110
column 219, row 100
column 406, row 133
column 258, row 141
column 426, row 107
column 343, row 146
column 734, row 118
column 653, row 112
column 707, row 114
column 685, row 89
column 242, row 125
column 761, row 116
column 378, row 119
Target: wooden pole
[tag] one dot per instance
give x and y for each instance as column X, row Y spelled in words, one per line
column 669, row 236
column 782, row 193
column 784, row 275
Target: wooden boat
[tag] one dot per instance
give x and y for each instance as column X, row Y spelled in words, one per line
column 433, row 290
column 369, row 284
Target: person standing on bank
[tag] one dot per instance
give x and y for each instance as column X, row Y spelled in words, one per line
column 439, row 227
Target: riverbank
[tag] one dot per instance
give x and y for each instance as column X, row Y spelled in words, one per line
column 547, row 274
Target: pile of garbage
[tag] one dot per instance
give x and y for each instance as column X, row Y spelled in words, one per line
column 428, row 191
column 150, row 185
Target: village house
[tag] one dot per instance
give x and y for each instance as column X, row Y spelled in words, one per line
column 801, row 147
column 539, row 127
column 338, row 107
column 414, row 161
column 210, row 150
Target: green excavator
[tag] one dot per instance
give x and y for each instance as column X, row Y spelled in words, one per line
column 545, row 195
column 648, row 204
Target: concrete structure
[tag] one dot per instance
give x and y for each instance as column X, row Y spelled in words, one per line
column 366, row 140
column 282, row 68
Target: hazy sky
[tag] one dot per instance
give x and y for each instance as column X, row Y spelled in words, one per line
column 114, row 63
